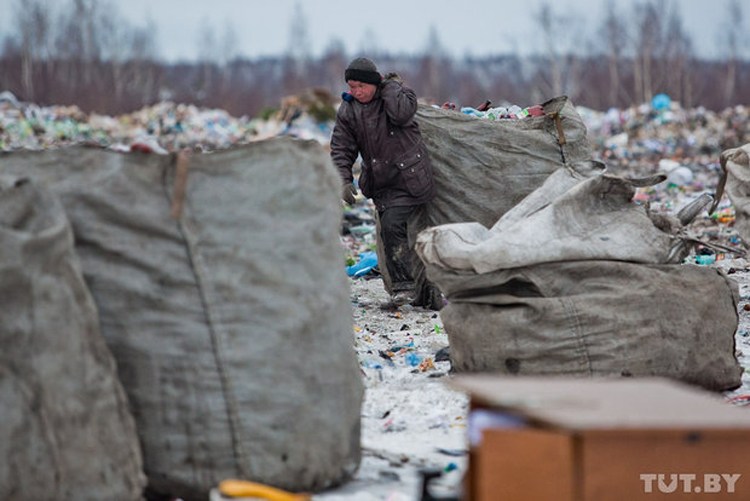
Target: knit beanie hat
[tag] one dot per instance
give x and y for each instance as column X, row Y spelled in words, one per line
column 362, row 70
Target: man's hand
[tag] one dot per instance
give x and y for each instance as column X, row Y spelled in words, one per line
column 348, row 192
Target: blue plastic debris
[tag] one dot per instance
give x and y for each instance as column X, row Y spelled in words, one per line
column 413, row 359
column 372, row 364
column 705, row 260
column 367, row 261
column 661, row 102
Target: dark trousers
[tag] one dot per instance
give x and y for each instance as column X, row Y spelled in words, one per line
column 395, row 240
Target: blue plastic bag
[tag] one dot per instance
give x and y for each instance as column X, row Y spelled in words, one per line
column 367, row 261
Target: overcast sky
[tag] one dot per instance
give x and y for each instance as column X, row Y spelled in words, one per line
column 476, row 27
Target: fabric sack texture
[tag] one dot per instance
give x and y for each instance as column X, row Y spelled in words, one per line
column 587, row 283
column 67, row 431
column 231, row 324
column 594, row 219
column 596, row 318
column 484, row 168
column 735, row 180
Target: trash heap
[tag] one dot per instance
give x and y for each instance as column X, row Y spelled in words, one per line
column 162, row 128
column 641, row 134
column 685, row 144
column 663, row 136
column 658, row 136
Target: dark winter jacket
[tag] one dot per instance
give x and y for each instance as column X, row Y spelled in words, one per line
column 396, row 169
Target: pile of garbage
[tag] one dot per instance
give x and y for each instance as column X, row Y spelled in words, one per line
column 499, row 112
column 162, row 128
column 643, row 133
column 658, row 136
column 358, row 239
column 662, row 136
column 637, row 137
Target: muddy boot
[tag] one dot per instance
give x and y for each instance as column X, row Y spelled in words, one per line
column 398, row 299
column 401, row 298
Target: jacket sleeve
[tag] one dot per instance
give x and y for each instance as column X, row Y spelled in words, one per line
column 400, row 102
column 344, row 150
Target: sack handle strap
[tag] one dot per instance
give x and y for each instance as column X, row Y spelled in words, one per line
column 558, row 125
column 722, row 183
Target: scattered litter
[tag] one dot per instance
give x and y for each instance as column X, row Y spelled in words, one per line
column 452, row 452
column 367, row 262
column 413, row 359
column 659, row 136
column 161, row 128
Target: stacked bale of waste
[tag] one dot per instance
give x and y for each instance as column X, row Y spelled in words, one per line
column 67, row 431
column 222, row 295
column 579, row 280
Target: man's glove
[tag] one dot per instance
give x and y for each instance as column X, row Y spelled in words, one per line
column 393, row 76
column 348, row 192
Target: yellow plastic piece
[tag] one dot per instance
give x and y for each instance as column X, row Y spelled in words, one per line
column 244, row 488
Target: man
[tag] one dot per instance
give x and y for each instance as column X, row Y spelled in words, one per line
column 376, row 121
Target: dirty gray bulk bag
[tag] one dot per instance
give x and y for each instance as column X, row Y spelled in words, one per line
column 66, row 431
column 583, row 281
column 593, row 219
column 735, row 179
column 231, row 325
column 596, row 318
column 483, row 168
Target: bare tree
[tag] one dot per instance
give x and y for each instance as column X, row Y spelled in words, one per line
column 649, row 37
column 435, row 63
column 227, row 53
column 299, row 41
column 85, row 54
column 114, row 51
column 208, row 53
column 298, row 54
column 559, row 69
column 121, row 46
column 335, row 61
column 676, row 58
column 84, row 25
column 369, row 44
column 733, row 33
column 207, row 44
column 299, row 36
column 81, row 41
column 615, row 37
column 142, row 77
column 229, row 43
column 548, row 26
column 34, row 31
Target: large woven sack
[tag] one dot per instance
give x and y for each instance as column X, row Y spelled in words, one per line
column 66, row 432
column 483, row 168
column 735, row 179
column 596, row 318
column 583, row 281
column 593, row 219
column 231, row 324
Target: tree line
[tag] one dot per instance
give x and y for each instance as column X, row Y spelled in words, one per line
column 86, row 54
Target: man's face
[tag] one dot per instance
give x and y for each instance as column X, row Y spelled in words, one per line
column 362, row 92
